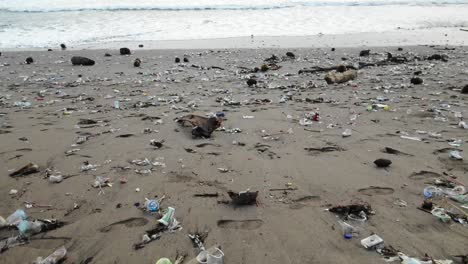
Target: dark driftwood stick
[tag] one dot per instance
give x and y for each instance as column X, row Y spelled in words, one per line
column 206, row 195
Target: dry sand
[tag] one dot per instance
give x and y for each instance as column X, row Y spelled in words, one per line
column 288, row 228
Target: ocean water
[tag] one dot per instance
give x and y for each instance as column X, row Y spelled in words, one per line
column 47, row 23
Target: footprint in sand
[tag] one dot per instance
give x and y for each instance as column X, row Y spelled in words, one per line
column 376, row 190
column 421, row 175
column 240, row 224
column 315, row 151
column 303, row 201
column 130, row 222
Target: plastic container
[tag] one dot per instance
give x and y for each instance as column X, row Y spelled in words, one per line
column 440, row 213
column 216, row 257
column 116, row 104
column 213, row 255
column 15, row 218
column 152, row 206
column 433, row 192
column 456, row 155
column 372, row 241
column 55, row 178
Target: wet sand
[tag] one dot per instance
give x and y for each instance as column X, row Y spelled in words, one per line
column 288, row 226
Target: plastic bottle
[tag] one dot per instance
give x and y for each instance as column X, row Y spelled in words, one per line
column 433, row 192
column 53, row 258
column 29, row 228
column 152, row 206
column 408, row 260
column 457, row 190
column 348, row 230
column 15, row 218
column 460, row 198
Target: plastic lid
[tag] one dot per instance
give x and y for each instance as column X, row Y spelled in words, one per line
column 164, row 261
column 152, row 206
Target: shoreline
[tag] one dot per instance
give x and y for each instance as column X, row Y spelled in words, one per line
column 434, row 36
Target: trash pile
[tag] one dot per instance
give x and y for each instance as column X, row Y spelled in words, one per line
column 22, row 228
column 446, row 201
column 166, row 224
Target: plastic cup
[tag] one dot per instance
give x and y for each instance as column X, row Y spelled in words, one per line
column 164, row 261
column 168, row 217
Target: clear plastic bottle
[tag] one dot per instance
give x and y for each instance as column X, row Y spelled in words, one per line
column 15, row 218
column 457, row 190
column 53, row 258
column 348, row 230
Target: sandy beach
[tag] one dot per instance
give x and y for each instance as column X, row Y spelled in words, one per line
column 262, row 145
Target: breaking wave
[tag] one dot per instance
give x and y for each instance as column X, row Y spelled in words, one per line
column 44, row 6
